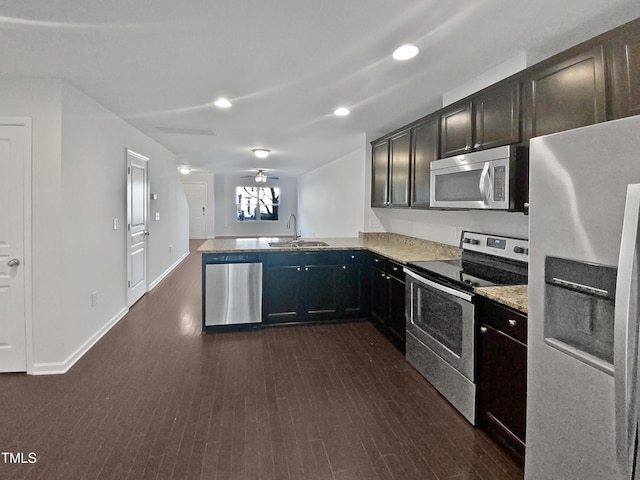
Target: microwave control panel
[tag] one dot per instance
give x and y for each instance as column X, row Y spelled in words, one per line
column 499, row 183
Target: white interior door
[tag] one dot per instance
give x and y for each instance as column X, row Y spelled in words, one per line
column 197, row 199
column 15, row 158
column 137, row 225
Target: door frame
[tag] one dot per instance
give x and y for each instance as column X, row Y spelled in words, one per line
column 206, row 212
column 130, row 153
column 26, row 123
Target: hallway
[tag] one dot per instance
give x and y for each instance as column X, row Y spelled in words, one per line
column 157, row 399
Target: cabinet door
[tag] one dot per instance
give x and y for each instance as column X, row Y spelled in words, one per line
column 497, row 116
column 399, row 166
column 321, row 292
column 623, row 55
column 396, row 323
column 281, row 294
column 568, row 94
column 352, row 291
column 380, row 174
column 456, row 130
column 379, row 296
column 503, row 387
column 424, row 149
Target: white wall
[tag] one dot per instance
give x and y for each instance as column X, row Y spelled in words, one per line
column 330, row 197
column 78, row 188
column 226, row 224
column 207, row 179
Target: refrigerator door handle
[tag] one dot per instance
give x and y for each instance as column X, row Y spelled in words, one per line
column 626, row 332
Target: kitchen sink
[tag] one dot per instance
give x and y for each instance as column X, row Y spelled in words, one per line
column 298, row 243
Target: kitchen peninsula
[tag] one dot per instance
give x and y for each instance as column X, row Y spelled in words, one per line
column 347, row 279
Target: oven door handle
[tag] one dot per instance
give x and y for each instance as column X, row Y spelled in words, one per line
column 437, row 286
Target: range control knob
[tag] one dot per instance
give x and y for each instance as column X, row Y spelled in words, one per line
column 466, row 240
column 518, row 250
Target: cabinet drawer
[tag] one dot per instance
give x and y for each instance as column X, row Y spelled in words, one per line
column 503, row 319
column 322, row 258
column 282, row 258
column 394, row 269
column 356, row 256
column 378, row 262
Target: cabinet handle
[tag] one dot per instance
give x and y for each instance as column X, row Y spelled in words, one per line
column 298, row 269
column 383, row 275
column 306, row 269
column 467, row 148
column 344, row 267
column 353, row 256
column 483, row 329
column 512, row 323
column 377, row 260
column 395, row 269
column 477, row 145
column 526, row 205
column 388, row 277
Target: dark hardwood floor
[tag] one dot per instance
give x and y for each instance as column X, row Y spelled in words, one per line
column 157, row 399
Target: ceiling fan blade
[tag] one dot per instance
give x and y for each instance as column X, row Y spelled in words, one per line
column 272, row 177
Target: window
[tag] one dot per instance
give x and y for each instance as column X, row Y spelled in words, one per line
column 257, row 203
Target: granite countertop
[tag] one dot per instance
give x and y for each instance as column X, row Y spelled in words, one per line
column 514, row 296
column 399, row 248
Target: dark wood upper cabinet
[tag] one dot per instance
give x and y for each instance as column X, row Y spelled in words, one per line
column 497, row 115
column 424, row 149
column 399, row 168
column 567, row 93
column 456, row 133
column 623, row 57
column 380, row 174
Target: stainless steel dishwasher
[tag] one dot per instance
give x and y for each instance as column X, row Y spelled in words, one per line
column 233, row 289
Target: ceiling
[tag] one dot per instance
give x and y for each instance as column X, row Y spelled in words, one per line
column 284, row 64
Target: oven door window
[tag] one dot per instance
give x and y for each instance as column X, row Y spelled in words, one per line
column 442, row 317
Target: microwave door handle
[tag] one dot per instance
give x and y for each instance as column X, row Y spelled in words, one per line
column 485, row 188
column 626, row 354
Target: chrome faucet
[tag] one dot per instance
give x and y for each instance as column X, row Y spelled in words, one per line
column 295, row 225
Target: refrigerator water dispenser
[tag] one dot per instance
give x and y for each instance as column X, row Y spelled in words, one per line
column 579, row 310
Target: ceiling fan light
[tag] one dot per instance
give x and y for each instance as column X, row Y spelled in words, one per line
column 405, row 52
column 261, row 177
column 261, row 152
column 184, row 170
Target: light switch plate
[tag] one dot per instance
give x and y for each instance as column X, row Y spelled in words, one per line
column 115, row 223
column 157, row 215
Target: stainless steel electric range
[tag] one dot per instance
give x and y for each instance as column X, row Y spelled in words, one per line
column 441, row 331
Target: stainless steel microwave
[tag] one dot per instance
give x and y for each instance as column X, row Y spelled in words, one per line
column 494, row 179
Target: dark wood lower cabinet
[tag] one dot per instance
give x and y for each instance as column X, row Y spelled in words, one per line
column 388, row 300
column 503, row 375
column 314, row 286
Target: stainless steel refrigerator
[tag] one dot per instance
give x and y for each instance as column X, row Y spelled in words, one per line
column 583, row 320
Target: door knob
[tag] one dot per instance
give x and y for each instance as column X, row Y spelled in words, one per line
column 14, row 262
column 146, row 234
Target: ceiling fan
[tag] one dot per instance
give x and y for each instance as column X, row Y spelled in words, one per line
column 261, row 177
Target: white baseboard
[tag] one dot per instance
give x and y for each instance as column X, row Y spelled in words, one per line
column 55, row 368
column 153, row 284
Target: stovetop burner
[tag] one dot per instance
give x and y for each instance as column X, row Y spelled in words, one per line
column 487, row 261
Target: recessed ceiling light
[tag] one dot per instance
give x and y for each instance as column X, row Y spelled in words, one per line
column 184, row 170
column 261, row 152
column 222, row 103
column 405, row 52
column 341, row 111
